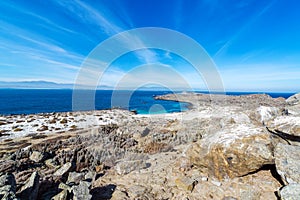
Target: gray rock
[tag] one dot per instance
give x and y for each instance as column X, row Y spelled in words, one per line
column 37, row 156
column 145, row 132
column 139, row 192
column 75, row 177
column 287, row 162
column 229, row 198
column 82, row 191
column 117, row 195
column 31, row 187
column 63, row 169
column 51, row 164
column 90, row 175
column 125, row 167
column 185, row 183
column 290, row 192
column 7, row 186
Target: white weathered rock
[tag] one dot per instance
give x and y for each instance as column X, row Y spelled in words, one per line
column 294, row 110
column 267, row 113
column 287, row 163
column 217, row 183
column 293, row 100
column 294, row 104
column 286, row 124
column 290, row 192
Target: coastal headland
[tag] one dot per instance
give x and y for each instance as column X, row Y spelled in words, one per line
column 223, row 147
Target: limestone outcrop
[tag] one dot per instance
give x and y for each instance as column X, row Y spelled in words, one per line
column 224, row 147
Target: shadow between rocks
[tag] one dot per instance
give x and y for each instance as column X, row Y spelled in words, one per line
column 273, row 171
column 103, row 193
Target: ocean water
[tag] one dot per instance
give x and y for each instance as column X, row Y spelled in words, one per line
column 30, row 101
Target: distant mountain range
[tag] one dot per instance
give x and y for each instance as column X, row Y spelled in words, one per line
column 34, row 84
column 53, row 85
column 40, row 85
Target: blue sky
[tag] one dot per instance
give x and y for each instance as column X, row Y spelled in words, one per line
column 254, row 44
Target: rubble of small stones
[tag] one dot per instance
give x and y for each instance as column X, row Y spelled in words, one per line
column 224, row 147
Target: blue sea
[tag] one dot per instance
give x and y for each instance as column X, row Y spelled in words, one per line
column 31, row 101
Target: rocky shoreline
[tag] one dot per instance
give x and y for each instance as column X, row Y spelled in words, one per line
column 224, row 147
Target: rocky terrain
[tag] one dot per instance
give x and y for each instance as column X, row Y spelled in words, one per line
column 224, row 147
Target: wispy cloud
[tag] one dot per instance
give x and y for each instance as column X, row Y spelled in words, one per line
column 39, row 42
column 43, row 21
column 43, row 43
column 110, row 25
column 46, row 52
column 155, row 73
column 88, row 14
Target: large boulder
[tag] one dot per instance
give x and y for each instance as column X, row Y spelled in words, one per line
column 287, row 162
column 232, row 152
column 293, row 100
column 294, row 104
column 265, row 113
column 286, row 124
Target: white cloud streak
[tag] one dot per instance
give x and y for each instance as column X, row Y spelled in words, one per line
column 110, row 26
